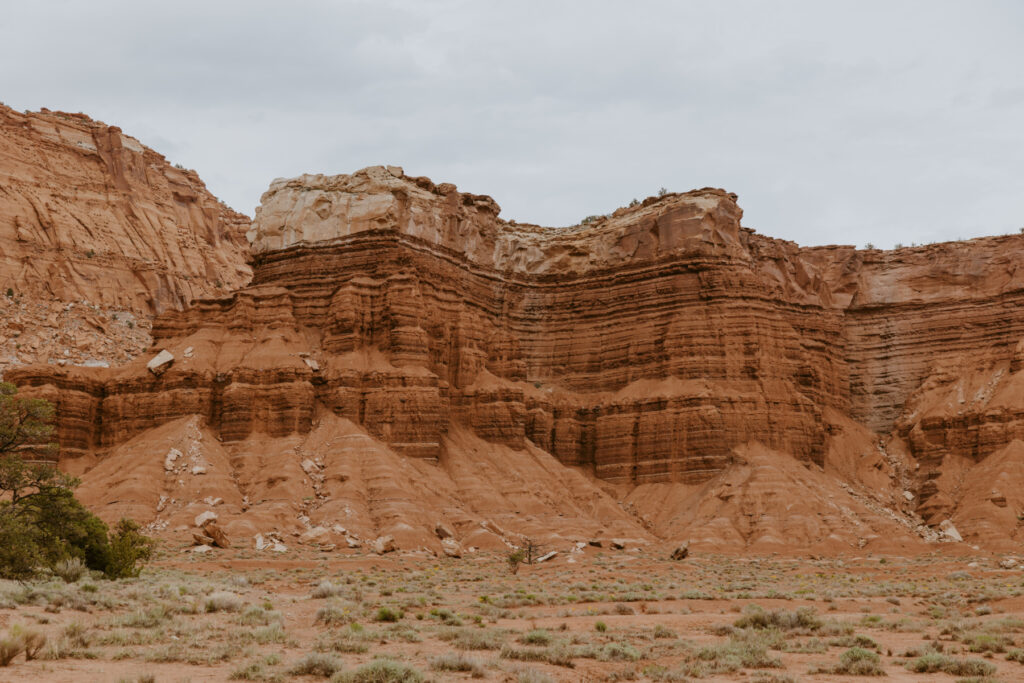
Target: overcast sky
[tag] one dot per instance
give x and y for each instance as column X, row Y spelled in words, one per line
column 835, row 122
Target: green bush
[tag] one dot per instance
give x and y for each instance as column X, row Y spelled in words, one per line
column 129, row 550
column 859, row 662
column 42, row 525
column 387, row 614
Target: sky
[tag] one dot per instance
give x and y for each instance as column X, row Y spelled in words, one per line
column 840, row 122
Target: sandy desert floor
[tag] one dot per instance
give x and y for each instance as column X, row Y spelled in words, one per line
column 598, row 615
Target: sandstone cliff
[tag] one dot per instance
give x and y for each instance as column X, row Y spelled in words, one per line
column 707, row 372
column 97, row 234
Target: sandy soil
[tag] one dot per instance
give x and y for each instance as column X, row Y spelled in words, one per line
column 606, row 615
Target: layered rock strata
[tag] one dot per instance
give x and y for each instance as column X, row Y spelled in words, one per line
column 649, row 346
column 96, row 229
column 645, row 346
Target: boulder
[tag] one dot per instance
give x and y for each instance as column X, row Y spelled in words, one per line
column 618, row 544
column 451, row 547
column 547, row 556
column 203, row 518
column 200, row 538
column 171, row 457
column 159, row 364
column 315, row 534
column 950, row 532
column 384, row 544
column 443, row 531
column 220, row 539
column 681, row 552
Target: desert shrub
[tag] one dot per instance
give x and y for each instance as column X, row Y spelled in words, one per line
column 316, row 664
column 984, row 642
column 600, row 627
column 387, row 614
column 11, row 645
column 458, row 662
column 70, row 569
column 380, row 671
column 802, row 619
column 935, row 662
column 656, row 672
column 514, row 559
column 859, row 662
column 325, row 589
column 742, row 651
column 559, row 655
column 148, row 618
column 255, row 615
column 474, row 639
column 536, row 637
column 618, row 652
column 222, row 601
column 661, row 631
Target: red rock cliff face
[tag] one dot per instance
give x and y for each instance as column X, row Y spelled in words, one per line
column 647, row 346
column 89, row 216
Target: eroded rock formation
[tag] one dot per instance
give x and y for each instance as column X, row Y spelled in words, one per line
column 97, row 234
column 663, row 345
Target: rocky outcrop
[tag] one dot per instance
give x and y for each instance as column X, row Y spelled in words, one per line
column 97, row 234
column 644, row 346
column 664, row 344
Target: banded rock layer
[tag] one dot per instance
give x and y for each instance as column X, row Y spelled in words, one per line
column 649, row 346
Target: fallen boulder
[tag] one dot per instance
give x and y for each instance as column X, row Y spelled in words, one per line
column 681, row 552
column 451, row 547
column 950, row 531
column 220, row 539
column 384, row 544
column 160, row 362
column 200, row 538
